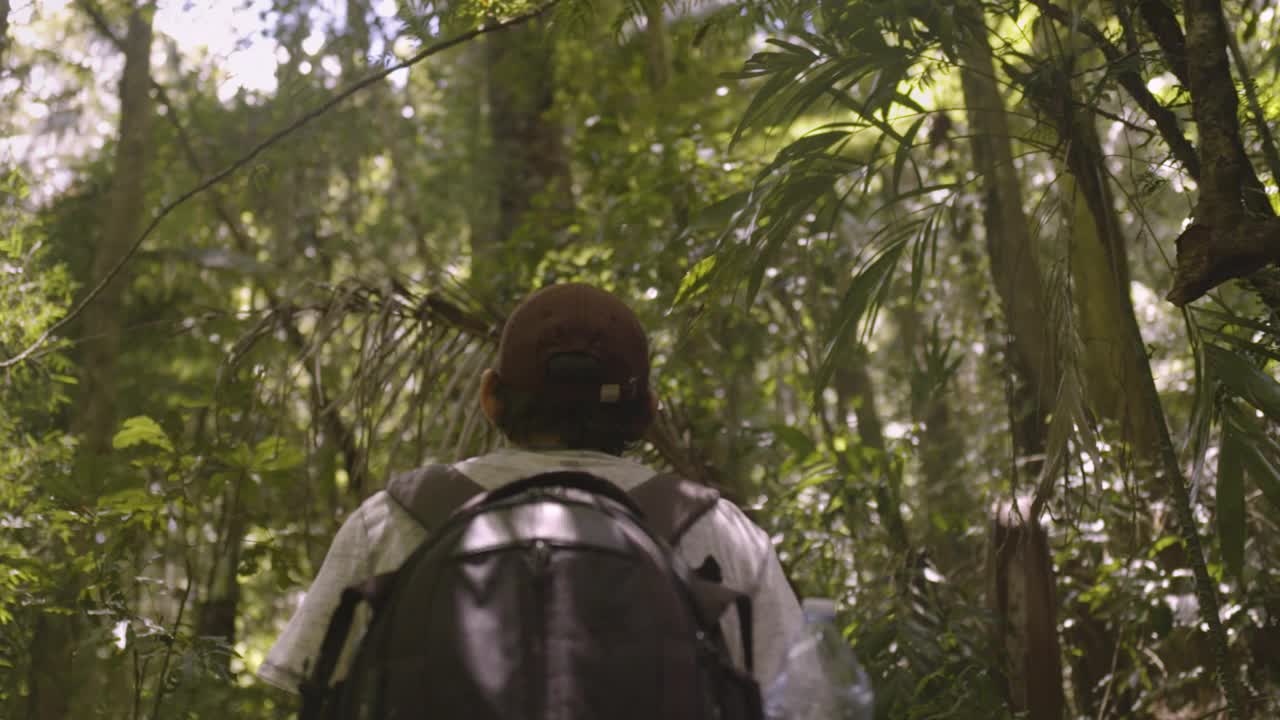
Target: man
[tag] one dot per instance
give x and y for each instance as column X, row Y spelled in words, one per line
column 570, row 392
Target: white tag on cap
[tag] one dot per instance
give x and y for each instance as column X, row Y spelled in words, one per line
column 610, row 393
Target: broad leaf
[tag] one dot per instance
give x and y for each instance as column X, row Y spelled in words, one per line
column 862, row 296
column 1231, row 505
column 275, row 455
column 695, row 280
column 1259, row 454
column 141, row 430
column 1245, row 380
column 798, row 442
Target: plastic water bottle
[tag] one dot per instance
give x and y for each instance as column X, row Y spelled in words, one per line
column 820, row 679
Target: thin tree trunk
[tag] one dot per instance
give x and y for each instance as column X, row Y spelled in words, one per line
column 854, row 387
column 4, row 30
column 221, row 606
column 854, row 390
column 656, row 47
column 939, row 448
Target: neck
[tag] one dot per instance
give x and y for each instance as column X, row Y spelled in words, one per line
column 549, row 444
column 542, row 442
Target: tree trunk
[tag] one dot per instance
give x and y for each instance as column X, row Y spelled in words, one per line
column 530, row 167
column 942, row 495
column 655, row 44
column 1014, row 268
column 122, row 219
column 854, row 391
column 221, row 606
column 1098, row 251
column 1027, row 632
column 51, row 684
column 1022, row 594
column 62, row 665
column 1113, row 359
column 854, row 387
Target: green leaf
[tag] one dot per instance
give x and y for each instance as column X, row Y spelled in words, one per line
column 141, row 430
column 1245, row 380
column 1238, row 321
column 1242, row 344
column 1231, row 505
column 723, row 212
column 803, row 53
column 1259, row 453
column 797, row 441
column 275, row 455
column 810, row 145
column 862, row 296
column 1163, row 543
column 131, row 500
column 695, row 280
column 903, row 153
column 886, row 87
column 1204, row 413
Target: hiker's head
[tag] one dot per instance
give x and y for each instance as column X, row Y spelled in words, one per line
column 573, row 372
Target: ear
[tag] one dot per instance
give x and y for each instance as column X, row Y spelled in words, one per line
column 643, row 426
column 489, row 402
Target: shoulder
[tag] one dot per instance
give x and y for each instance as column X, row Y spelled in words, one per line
column 740, row 547
column 380, row 532
column 728, row 520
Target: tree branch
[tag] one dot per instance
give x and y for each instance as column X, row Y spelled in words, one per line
column 1255, row 110
column 1168, row 34
column 1234, row 233
column 254, row 153
column 1166, row 122
column 1207, row 258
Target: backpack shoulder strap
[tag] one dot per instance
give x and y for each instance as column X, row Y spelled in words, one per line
column 672, row 504
column 431, row 494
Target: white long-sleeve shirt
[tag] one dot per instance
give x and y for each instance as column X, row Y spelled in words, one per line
column 380, row 535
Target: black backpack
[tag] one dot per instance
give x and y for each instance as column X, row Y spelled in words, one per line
column 557, row 597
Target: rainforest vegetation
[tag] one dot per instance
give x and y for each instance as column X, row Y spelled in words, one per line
column 971, row 304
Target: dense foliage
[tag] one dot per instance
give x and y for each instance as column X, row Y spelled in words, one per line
column 905, row 265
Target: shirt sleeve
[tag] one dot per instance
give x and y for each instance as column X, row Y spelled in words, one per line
column 777, row 617
column 348, row 562
column 749, row 565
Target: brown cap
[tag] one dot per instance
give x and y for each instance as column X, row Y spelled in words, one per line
column 575, row 341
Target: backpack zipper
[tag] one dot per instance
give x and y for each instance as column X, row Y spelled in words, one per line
column 538, row 647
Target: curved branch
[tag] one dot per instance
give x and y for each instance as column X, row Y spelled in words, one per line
column 1166, row 122
column 254, row 153
column 1168, row 34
